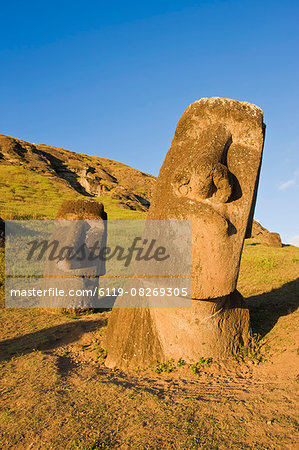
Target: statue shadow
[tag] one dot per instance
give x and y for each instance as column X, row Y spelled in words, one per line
column 48, row 338
column 265, row 309
column 236, row 190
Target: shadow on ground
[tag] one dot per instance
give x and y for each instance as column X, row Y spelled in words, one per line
column 48, row 338
column 265, row 309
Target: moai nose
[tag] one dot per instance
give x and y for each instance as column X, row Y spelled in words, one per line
column 222, row 182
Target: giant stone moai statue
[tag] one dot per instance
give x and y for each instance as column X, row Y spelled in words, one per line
column 209, row 176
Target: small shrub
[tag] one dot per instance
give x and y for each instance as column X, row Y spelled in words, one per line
column 166, row 367
column 251, row 352
column 202, row 362
column 101, row 352
column 181, row 362
column 266, row 262
column 96, row 347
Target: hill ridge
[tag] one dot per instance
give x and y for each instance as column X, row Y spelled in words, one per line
column 91, row 176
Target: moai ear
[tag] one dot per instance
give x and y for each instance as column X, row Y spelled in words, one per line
column 181, row 182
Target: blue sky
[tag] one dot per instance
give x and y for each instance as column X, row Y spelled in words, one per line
column 112, row 78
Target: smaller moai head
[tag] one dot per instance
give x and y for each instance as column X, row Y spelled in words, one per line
column 81, row 210
column 86, row 224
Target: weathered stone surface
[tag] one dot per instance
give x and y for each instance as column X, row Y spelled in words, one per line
column 96, row 182
column 81, row 210
column 138, row 337
column 261, row 235
column 210, row 176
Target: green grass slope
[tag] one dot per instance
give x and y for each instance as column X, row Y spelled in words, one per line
column 29, row 195
column 37, row 172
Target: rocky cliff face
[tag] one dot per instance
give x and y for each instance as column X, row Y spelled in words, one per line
column 91, row 176
column 261, row 235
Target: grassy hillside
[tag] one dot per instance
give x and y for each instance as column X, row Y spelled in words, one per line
column 35, row 179
column 28, row 195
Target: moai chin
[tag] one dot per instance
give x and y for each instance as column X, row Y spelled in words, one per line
column 210, row 176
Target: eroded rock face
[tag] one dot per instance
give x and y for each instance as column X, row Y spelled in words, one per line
column 261, row 235
column 96, row 182
column 210, row 176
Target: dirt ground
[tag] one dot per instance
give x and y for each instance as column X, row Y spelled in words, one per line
column 56, row 392
column 62, row 395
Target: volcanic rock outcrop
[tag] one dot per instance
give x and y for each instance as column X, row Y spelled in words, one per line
column 209, row 176
column 260, row 235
